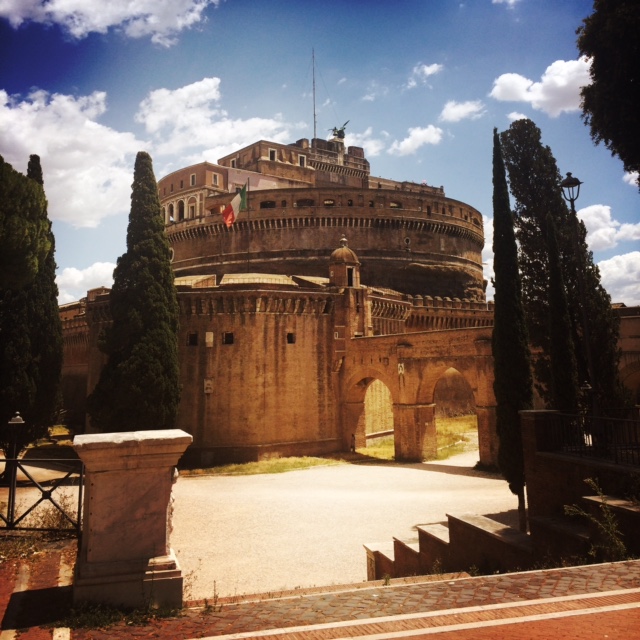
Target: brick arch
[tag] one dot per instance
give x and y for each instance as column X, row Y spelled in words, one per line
column 414, row 364
column 353, row 408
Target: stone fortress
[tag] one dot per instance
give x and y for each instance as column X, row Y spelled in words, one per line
column 337, row 304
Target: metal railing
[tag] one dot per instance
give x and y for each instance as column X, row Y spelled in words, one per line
column 612, row 440
column 19, row 478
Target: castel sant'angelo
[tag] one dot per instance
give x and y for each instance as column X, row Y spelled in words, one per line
column 336, row 304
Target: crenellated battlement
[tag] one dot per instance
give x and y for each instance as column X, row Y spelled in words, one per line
column 255, row 302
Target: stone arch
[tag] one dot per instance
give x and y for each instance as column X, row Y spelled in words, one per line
column 171, row 213
column 478, row 375
column 354, row 414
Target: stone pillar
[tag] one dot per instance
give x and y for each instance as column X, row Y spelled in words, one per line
column 415, row 431
column 125, row 558
column 354, row 428
column 487, row 435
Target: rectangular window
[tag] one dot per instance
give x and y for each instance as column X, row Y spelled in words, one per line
column 272, row 155
column 302, row 161
column 233, row 163
column 192, row 179
column 227, row 337
column 192, row 339
column 171, row 187
column 182, row 184
column 216, row 179
column 192, row 210
column 291, row 338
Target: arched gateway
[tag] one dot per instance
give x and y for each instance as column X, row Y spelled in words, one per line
column 410, row 365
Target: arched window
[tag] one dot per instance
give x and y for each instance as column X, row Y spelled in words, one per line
column 171, row 214
column 180, row 210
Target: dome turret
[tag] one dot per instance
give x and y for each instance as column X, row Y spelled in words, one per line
column 344, row 266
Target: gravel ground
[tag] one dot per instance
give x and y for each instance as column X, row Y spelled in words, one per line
column 237, row 535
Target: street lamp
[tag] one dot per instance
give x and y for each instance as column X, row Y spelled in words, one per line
column 12, row 431
column 570, row 191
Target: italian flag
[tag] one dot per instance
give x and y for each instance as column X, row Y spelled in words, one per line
column 238, row 204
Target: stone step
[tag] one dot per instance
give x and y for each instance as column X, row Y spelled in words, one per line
column 559, row 537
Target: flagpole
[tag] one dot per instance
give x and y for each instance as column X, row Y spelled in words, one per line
column 313, row 62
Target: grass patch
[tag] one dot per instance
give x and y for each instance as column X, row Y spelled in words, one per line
column 381, row 449
column 273, row 465
column 456, row 435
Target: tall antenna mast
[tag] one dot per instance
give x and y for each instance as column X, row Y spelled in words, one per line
column 313, row 61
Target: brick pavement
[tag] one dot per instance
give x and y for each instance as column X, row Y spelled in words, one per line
column 595, row 601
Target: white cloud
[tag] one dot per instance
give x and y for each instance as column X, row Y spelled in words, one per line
column 73, row 283
column 375, row 91
column 455, row 111
column 620, row 276
column 509, row 3
column 631, row 178
column 87, row 166
column 160, row 19
column 558, row 90
column 515, row 115
column 372, row 146
column 421, row 73
column 418, row 137
column 190, row 118
column 604, row 232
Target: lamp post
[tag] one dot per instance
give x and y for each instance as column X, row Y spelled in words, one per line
column 11, row 465
column 570, row 191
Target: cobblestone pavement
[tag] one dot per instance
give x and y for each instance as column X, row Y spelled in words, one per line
column 596, row 601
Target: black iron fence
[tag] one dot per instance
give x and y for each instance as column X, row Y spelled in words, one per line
column 41, row 494
column 609, row 439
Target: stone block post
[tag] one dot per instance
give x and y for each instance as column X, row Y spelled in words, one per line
column 415, row 431
column 125, row 558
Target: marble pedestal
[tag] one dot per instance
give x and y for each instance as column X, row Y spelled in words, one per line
column 125, row 558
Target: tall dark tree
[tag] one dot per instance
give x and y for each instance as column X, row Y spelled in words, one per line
column 23, row 228
column 45, row 329
column 139, row 385
column 31, row 337
column 534, row 183
column 565, row 390
column 512, row 369
column 610, row 37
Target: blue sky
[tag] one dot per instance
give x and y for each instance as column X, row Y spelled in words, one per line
column 422, row 82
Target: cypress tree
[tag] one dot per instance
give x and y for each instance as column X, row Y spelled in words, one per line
column 23, row 228
column 564, row 374
column 45, row 329
column 512, row 371
column 139, row 386
column 534, row 182
column 31, row 332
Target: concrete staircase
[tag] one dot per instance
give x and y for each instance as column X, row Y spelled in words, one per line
column 468, row 542
column 477, row 544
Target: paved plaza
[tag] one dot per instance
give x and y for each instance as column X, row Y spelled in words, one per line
column 238, row 535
